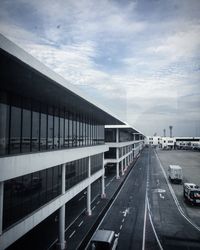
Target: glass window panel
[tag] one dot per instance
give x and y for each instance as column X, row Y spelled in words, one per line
column 56, row 132
column 26, row 130
column 43, row 131
column 50, row 130
column 61, row 132
column 35, row 131
column 4, row 127
column 15, row 129
column 110, row 135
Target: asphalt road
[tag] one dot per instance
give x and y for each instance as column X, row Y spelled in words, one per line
column 145, row 215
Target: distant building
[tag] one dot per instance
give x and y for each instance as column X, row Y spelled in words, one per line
column 168, row 142
column 192, row 143
column 153, row 140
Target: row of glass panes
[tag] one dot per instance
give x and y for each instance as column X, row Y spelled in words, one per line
column 24, row 194
column 27, row 126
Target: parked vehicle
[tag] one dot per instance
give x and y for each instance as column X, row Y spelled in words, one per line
column 191, row 193
column 175, row 174
column 104, row 240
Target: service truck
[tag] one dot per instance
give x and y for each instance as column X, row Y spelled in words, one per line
column 191, row 193
column 175, row 174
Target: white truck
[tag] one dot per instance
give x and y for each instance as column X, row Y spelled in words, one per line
column 191, row 193
column 175, row 173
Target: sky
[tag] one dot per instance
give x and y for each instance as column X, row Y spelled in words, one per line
column 140, row 59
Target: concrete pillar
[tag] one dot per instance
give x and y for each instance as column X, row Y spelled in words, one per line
column 89, row 211
column 117, row 164
column 117, row 135
column 61, row 236
column 103, row 194
column 125, row 163
column 122, row 168
column 1, row 206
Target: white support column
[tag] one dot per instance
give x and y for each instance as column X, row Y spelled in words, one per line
column 103, row 194
column 117, row 164
column 61, row 238
column 122, row 169
column 89, row 211
column 1, row 206
column 126, row 162
column 117, row 135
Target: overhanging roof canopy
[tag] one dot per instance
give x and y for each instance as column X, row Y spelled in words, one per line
column 126, row 127
column 24, row 75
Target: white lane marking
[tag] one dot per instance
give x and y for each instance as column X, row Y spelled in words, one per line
column 144, row 226
column 125, row 212
column 145, row 210
column 108, row 184
column 98, row 202
column 93, row 208
column 149, row 213
column 121, row 227
column 123, row 220
column 81, row 198
column 80, row 223
column 174, row 196
column 72, row 234
column 161, row 196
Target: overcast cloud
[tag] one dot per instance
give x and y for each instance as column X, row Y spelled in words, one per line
column 138, row 58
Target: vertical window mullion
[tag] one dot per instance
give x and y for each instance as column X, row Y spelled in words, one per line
column 64, row 129
column 53, row 146
column 31, row 126
column 59, row 128
column 68, row 128
column 21, row 128
column 47, row 117
column 9, row 130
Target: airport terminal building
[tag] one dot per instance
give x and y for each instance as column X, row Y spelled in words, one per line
column 52, row 144
column 125, row 144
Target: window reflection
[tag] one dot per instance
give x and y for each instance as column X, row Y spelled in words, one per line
column 24, row 194
column 15, row 130
column 30, row 126
column 35, row 131
column 43, row 132
column 4, row 129
column 50, row 129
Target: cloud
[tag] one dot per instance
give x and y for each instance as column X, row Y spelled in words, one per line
column 140, row 59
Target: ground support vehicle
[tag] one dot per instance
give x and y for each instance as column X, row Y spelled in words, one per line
column 175, row 174
column 191, row 193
